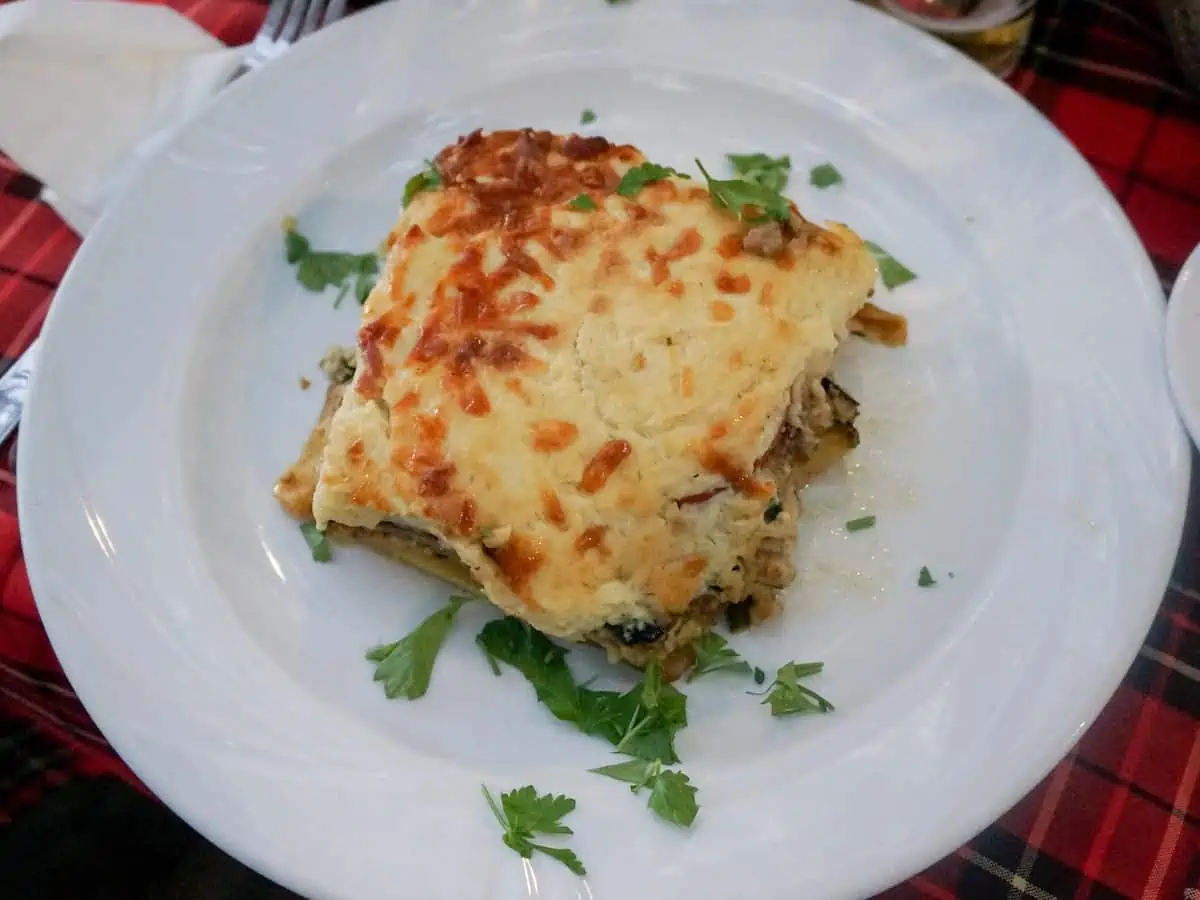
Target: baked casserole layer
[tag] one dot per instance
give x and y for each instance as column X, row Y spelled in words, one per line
column 596, row 414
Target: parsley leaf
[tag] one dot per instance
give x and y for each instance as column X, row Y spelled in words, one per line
column 317, row 270
column 788, row 697
column 523, row 814
column 640, row 176
column 925, row 579
column 713, row 654
column 652, row 685
column 892, row 272
column 824, row 175
column 526, row 811
column 583, row 202
column 295, row 245
column 860, row 524
column 774, row 508
column 427, row 179
column 632, row 771
column 758, row 168
column 542, row 662
column 673, row 798
column 406, row 665
column 641, row 722
column 737, row 195
column 587, row 117
column 672, row 795
column 317, row 542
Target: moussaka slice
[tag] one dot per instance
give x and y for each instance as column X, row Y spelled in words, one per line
column 589, row 392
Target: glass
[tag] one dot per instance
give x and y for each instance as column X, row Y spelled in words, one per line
column 992, row 32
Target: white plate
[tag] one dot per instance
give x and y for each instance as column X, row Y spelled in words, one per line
column 1025, row 441
column 1183, row 343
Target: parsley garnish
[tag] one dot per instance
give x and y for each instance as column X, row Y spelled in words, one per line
column 406, row 666
column 774, row 508
column 736, row 195
column 583, row 202
column 317, row 542
column 587, row 117
column 523, row 814
column 861, row 524
column 641, row 722
column 640, row 176
column 925, row 579
column 319, row 269
column 427, row 179
column 788, row 697
column 766, row 171
column 892, row 272
column 672, row 795
column 824, row 175
column 713, row 654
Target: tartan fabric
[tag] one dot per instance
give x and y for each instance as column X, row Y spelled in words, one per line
column 1118, row 819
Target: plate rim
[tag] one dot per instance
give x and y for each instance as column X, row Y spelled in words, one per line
column 1184, row 300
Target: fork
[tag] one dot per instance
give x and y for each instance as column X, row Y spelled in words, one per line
column 287, row 21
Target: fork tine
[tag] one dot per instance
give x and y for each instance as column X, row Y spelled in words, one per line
column 274, row 18
column 266, row 46
column 286, row 22
column 293, row 21
column 336, row 10
column 315, row 17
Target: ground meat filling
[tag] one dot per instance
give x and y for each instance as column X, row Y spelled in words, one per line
column 818, row 429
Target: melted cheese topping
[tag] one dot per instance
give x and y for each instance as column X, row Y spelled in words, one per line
column 549, row 390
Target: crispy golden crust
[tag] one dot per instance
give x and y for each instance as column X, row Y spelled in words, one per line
column 547, row 389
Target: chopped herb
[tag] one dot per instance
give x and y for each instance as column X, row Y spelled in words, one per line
column 759, row 675
column 583, row 201
column 788, row 697
column 951, row 574
column 774, row 508
column 587, row 117
column 861, row 524
column 523, row 814
column 766, row 171
column 737, row 195
column 824, row 175
column 317, row 542
column 924, row 579
column 737, row 615
column 406, row 665
column 640, row 176
column 893, row 272
column 641, row 722
column 713, row 654
column 319, row 269
column 672, row 795
column 295, row 245
column 427, row 179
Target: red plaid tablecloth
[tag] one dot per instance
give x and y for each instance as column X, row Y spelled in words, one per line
column 1118, row 818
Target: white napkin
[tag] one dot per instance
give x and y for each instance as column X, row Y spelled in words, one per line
column 89, row 88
